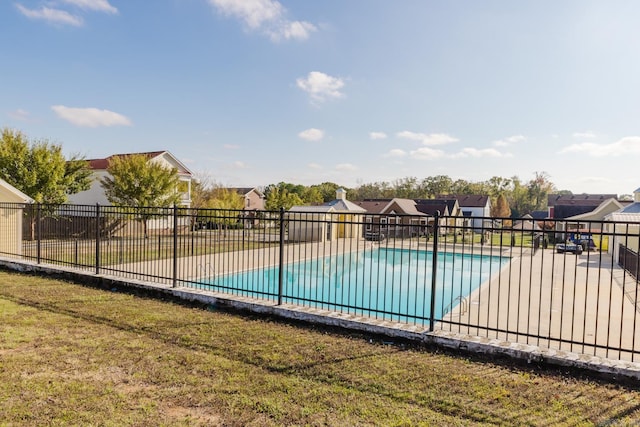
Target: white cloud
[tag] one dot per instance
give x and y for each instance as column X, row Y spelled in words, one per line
column 292, row 30
column 266, row 16
column 240, row 165
column 346, row 167
column 475, row 152
column 321, row 86
column 426, row 153
column 52, row 16
column 396, row 152
column 90, row 117
column 314, row 166
column 377, row 135
column 584, row 135
column 312, row 134
column 623, row 147
column 427, row 139
column 93, row 5
column 508, row 141
column 20, row 114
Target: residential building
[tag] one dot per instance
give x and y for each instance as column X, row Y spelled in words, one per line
column 253, row 197
column 447, row 208
column 99, row 167
column 476, row 209
column 563, row 206
column 573, row 212
column 393, row 218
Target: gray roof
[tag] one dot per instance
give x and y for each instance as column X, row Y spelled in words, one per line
column 373, row 206
column 408, row 206
column 244, row 190
column 632, row 208
column 578, row 199
column 566, row 211
column 467, row 200
column 312, row 209
column 430, row 207
column 622, row 217
column 341, row 205
column 539, row 214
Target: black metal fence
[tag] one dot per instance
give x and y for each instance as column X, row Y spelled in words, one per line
column 558, row 284
column 628, row 259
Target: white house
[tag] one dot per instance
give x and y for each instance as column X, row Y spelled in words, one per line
column 99, row 167
column 11, row 218
column 96, row 195
column 474, row 208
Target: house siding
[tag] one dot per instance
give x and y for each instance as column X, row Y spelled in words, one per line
column 11, row 218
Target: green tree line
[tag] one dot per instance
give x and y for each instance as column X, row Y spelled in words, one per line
column 509, row 196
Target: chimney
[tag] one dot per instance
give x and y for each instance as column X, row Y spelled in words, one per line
column 341, row 194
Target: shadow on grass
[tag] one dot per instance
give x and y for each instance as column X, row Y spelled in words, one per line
column 485, row 368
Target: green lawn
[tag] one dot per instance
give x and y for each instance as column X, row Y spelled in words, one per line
column 125, row 250
column 74, row 355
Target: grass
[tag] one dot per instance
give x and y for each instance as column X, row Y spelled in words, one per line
column 74, row 355
column 121, row 251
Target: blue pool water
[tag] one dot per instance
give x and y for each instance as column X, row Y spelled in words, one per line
column 394, row 284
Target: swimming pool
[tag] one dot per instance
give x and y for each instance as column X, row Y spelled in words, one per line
column 393, row 284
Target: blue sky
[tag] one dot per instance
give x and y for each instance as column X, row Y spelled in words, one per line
column 253, row 92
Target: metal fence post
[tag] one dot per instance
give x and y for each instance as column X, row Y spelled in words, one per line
column 97, row 238
column 281, row 260
column 38, row 233
column 175, row 246
column 434, row 268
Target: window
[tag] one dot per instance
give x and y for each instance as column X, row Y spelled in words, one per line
column 368, row 221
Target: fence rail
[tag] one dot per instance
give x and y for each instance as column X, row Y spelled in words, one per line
column 558, row 284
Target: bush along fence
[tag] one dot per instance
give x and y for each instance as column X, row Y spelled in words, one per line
column 563, row 285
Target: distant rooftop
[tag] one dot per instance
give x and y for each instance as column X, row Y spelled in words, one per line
column 578, row 199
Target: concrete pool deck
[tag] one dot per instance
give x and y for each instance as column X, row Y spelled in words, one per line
column 547, row 284
column 548, row 298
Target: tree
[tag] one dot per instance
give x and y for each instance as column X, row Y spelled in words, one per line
column 539, row 188
column 138, row 183
column 374, row 190
column 518, row 200
column 501, row 209
column 225, row 203
column 201, row 187
column 312, row 196
column 40, row 170
column 223, row 198
column 279, row 196
column 406, row 188
column 327, row 190
column 435, row 185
